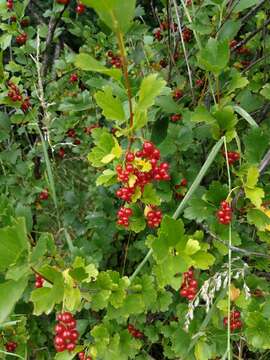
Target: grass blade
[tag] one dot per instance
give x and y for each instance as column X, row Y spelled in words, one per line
column 245, row 115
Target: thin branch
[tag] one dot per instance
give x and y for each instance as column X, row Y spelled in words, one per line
column 251, row 35
column 184, row 47
column 252, row 12
column 234, row 248
column 51, row 30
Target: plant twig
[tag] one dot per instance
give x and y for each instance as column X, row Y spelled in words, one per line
column 51, row 31
column 234, row 248
column 184, row 48
column 250, row 36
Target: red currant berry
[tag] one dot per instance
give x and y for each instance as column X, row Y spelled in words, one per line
column 80, row 8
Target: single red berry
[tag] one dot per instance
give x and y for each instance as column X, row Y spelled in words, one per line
column 71, row 133
column 77, row 142
column 44, row 195
column 80, row 8
column 199, row 83
column 24, row 23
column 130, row 157
column 184, row 182
column 21, row 39
column 63, row 2
column 67, row 317
column 61, row 152
column 10, row 4
column 70, row 347
column 177, row 94
column 59, row 341
column 176, row 117
column 73, row 78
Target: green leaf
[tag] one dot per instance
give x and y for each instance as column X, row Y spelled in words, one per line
column 107, row 178
column 87, row 63
column 81, row 102
column 5, row 41
column 245, row 115
column 266, row 91
column 203, row 260
column 201, row 114
column 253, row 193
column 106, row 149
column 116, row 14
column 11, row 292
column 255, row 196
column 45, row 244
column 203, row 351
column 214, row 56
column 256, row 143
column 45, row 298
column 150, row 88
column 258, row 218
column 150, row 196
column 111, row 105
column 229, row 29
column 170, row 234
column 257, row 330
column 244, row 4
column 237, row 81
column 226, row 118
column 198, row 210
column 13, row 243
column 192, row 247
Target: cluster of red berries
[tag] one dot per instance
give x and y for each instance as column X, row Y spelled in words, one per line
column 10, row 4
column 39, row 281
column 199, row 83
column 187, row 35
column 235, row 322
column 72, row 134
column 115, row 60
column 66, row 335
column 26, row 104
column 158, row 172
column 15, row 95
column 177, row 94
column 154, row 217
column 134, row 332
column 176, row 117
column 21, row 39
column 14, row 92
column 123, row 215
column 190, row 286
column 11, row 346
column 242, row 50
column 224, row 213
column 83, row 356
column 233, row 156
column 73, row 78
column 164, row 26
column 44, row 195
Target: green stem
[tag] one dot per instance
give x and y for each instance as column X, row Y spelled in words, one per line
column 229, row 262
